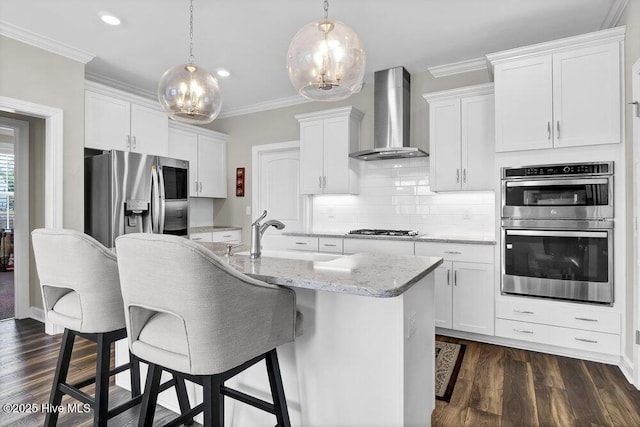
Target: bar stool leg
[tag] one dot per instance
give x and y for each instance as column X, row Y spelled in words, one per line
column 134, row 372
column 277, row 390
column 151, row 388
column 101, row 404
column 60, row 376
column 183, row 398
column 213, row 401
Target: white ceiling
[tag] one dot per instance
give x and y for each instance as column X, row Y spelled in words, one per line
column 251, row 37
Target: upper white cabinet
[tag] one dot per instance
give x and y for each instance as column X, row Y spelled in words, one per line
column 560, row 94
column 206, row 152
column 114, row 122
column 326, row 139
column 461, row 138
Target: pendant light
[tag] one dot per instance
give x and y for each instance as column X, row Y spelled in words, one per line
column 326, row 60
column 188, row 92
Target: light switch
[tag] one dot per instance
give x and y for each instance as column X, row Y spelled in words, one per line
column 247, row 210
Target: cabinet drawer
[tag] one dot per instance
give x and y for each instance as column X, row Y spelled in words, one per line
column 205, row 236
column 456, row 251
column 559, row 314
column 331, row 245
column 232, row 236
column 598, row 342
column 396, row 247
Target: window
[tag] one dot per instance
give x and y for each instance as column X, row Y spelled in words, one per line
column 7, row 186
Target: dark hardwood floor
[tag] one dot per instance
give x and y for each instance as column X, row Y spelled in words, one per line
column 497, row 386
column 500, row 386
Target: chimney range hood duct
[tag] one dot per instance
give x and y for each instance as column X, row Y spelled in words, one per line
column 392, row 109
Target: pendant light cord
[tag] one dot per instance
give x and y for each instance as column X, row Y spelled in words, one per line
column 191, row 58
column 326, row 10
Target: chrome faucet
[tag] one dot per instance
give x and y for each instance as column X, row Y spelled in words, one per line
column 257, row 230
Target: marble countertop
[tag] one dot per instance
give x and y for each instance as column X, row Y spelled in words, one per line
column 476, row 240
column 212, row 228
column 366, row 274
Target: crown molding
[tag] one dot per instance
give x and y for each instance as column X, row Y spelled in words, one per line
column 119, row 93
column 334, row 112
column 50, row 45
column 615, row 12
column 481, row 89
column 264, row 106
column 117, row 84
column 476, row 64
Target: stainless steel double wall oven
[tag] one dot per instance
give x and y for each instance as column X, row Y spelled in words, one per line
column 557, row 231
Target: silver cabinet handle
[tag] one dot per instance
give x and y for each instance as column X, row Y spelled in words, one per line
column 452, row 252
column 558, row 129
column 457, row 175
column 196, row 238
column 227, row 235
column 586, row 319
column 523, row 331
column 448, row 277
column 134, row 142
column 201, row 186
column 464, row 175
column 586, row 340
column 197, row 187
column 128, row 142
column 455, row 278
column 548, row 130
column 324, row 181
column 522, row 311
column 319, row 182
column 329, row 245
column 301, row 243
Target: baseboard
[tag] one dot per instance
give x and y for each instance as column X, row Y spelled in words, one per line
column 36, row 313
column 530, row 346
column 626, row 366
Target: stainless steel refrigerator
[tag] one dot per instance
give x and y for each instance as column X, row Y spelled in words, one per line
column 129, row 192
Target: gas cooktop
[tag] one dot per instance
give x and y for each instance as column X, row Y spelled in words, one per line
column 377, row 232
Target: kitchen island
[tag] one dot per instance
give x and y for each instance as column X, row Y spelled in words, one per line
column 366, row 356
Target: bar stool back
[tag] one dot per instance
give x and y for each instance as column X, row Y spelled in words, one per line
column 188, row 312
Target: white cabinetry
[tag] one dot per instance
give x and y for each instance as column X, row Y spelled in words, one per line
column 461, row 138
column 206, row 152
column 326, row 139
column 559, row 94
column 464, row 288
column 560, row 324
column 396, row 247
column 113, row 121
column 222, row 236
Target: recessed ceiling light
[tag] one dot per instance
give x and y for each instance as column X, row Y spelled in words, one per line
column 221, row 72
column 109, row 18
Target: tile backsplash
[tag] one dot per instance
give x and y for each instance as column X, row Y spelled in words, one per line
column 395, row 194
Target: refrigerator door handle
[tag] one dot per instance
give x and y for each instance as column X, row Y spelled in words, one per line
column 161, row 201
column 154, row 200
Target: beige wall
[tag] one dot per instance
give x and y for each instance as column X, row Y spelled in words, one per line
column 32, row 74
column 630, row 18
column 280, row 125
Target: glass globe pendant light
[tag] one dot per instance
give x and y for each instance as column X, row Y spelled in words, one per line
column 188, row 92
column 326, row 60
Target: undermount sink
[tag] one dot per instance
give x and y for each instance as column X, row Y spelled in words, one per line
column 301, row 255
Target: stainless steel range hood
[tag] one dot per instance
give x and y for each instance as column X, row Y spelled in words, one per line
column 392, row 108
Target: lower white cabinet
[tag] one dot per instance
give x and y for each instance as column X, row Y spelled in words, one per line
column 205, row 236
column 227, row 236
column 464, row 288
column 396, row 247
column 570, row 325
column 289, row 243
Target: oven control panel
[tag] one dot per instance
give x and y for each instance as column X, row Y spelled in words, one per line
column 604, row 168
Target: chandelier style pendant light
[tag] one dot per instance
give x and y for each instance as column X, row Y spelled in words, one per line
column 188, row 92
column 326, row 60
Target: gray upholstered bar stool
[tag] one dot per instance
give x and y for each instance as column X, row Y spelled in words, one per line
column 81, row 292
column 189, row 312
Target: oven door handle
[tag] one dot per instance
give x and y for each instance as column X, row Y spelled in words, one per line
column 550, row 182
column 596, row 234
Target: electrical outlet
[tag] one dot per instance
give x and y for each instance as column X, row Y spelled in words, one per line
column 466, row 214
column 247, row 210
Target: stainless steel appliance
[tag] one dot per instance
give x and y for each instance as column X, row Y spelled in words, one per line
column 379, row 232
column 129, row 192
column 557, row 231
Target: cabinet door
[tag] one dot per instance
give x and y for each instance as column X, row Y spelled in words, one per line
column 336, row 156
column 586, row 94
column 395, row 247
column 477, row 142
column 205, row 236
column 184, row 145
column 444, row 137
column 473, row 297
column 444, row 295
column 149, row 131
column 212, row 166
column 311, row 157
column 107, row 122
column 523, row 96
